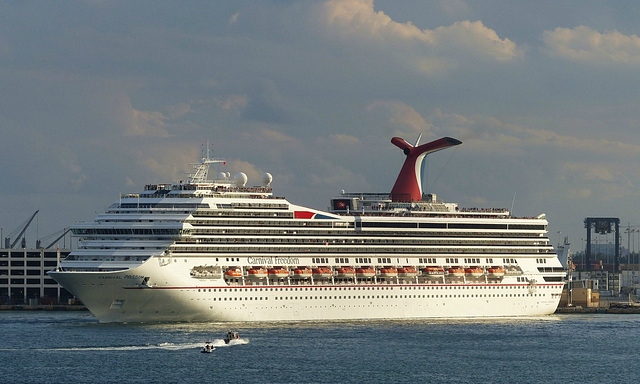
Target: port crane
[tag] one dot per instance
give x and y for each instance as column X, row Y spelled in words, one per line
column 7, row 240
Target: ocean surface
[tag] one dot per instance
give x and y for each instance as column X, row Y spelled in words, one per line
column 71, row 347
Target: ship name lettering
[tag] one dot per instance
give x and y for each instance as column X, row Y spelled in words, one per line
column 260, row 260
column 133, row 277
column 287, row 260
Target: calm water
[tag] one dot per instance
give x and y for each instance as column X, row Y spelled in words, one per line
column 59, row 347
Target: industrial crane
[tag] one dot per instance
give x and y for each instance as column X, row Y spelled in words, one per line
column 24, row 228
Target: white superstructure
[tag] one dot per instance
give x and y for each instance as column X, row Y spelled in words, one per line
column 220, row 251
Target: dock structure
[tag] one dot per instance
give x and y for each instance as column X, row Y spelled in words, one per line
column 24, row 279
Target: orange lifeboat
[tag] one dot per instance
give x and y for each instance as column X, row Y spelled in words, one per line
column 407, row 272
column 388, row 272
column 433, row 271
column 256, row 273
column 301, row 273
column 495, row 272
column 456, row 272
column 346, row 272
column 233, row 273
column 365, row 272
column 279, row 273
column 321, row 273
column 474, row 272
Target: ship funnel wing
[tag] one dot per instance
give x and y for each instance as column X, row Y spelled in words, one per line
column 408, row 186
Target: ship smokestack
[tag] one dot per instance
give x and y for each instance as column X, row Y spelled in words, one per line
column 408, row 186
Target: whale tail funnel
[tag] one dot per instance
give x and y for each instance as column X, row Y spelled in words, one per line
column 408, row 186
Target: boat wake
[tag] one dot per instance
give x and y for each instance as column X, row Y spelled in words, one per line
column 119, row 348
column 220, row 342
column 161, row 346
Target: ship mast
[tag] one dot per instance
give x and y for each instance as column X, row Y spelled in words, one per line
column 202, row 168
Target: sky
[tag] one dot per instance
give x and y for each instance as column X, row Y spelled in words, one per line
column 99, row 98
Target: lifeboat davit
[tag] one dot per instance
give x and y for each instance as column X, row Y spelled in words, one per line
column 233, row 273
column 495, row 272
column 301, row 273
column 407, row 272
column 433, row 271
column 388, row 272
column 365, row 272
column 279, row 273
column 456, row 272
column 474, row 272
column 256, row 273
column 321, row 273
column 346, row 272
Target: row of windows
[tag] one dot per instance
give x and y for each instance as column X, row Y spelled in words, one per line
column 20, row 272
column 551, row 269
column 125, row 231
column 317, row 240
column 286, row 298
column 541, row 261
column 30, row 263
column 386, row 224
column 320, row 260
column 254, row 214
column 301, row 231
column 19, row 281
column 359, row 249
column 364, row 288
column 289, row 223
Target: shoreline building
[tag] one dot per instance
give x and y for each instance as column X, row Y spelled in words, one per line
column 24, row 279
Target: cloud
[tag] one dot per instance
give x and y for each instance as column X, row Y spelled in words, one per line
column 234, row 18
column 357, row 22
column 146, row 123
column 265, row 103
column 405, row 120
column 232, row 102
column 588, row 45
column 275, row 136
column 489, row 133
column 343, row 139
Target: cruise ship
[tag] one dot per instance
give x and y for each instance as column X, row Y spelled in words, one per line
column 219, row 250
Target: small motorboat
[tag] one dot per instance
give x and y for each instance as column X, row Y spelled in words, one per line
column 231, row 335
column 208, row 348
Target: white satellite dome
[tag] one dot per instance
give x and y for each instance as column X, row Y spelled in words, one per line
column 222, row 176
column 267, row 179
column 241, row 179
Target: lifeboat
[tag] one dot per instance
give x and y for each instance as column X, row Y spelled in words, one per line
column 495, row 272
column 474, row 272
column 301, row 273
column 279, row 273
column 388, row 272
column 233, row 273
column 346, row 272
column 321, row 273
column 433, row 271
column 456, row 272
column 407, row 272
column 256, row 273
column 365, row 272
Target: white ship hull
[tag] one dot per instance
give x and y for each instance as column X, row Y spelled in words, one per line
column 120, row 297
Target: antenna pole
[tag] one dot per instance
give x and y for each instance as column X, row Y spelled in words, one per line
column 513, row 203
